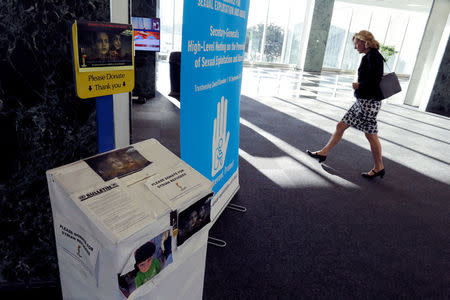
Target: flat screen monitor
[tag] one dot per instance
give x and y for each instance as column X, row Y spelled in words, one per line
column 146, row 34
column 101, row 45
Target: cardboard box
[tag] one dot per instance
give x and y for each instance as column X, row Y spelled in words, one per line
column 131, row 223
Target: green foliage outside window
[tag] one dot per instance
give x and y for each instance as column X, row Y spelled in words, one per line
column 387, row 51
column 273, row 43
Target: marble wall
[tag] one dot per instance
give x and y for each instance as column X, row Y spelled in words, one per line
column 321, row 20
column 439, row 102
column 42, row 125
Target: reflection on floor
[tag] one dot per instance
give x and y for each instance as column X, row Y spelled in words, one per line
column 299, row 84
column 321, row 230
column 322, row 99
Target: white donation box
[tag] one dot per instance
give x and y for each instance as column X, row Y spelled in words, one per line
column 131, row 224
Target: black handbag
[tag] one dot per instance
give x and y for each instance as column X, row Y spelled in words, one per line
column 389, row 85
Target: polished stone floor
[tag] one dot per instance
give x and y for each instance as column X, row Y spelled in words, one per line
column 258, row 81
column 321, row 100
column 298, row 84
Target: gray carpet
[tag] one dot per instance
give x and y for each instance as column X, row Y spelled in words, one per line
column 314, row 238
column 321, row 231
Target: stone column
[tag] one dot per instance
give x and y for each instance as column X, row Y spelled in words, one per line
column 43, row 125
column 439, row 102
column 427, row 63
column 321, row 20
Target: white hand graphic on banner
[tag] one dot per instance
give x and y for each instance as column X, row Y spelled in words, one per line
column 220, row 137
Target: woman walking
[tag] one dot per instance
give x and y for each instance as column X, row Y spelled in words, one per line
column 362, row 115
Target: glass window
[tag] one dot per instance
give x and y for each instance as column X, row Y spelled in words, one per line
column 171, row 15
column 275, row 30
column 360, row 21
column 397, row 28
column 278, row 24
column 294, row 33
column 395, row 34
column 166, row 16
column 340, row 21
column 411, row 44
column 255, row 29
column 178, row 25
column 379, row 23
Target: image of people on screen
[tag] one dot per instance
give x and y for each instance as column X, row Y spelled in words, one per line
column 117, row 52
column 116, row 46
column 118, row 163
column 103, row 45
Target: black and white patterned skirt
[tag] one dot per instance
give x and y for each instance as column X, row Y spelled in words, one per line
column 363, row 115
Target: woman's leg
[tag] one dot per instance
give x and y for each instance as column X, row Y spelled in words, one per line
column 334, row 139
column 375, row 147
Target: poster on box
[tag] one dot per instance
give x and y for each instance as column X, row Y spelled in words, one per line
column 174, row 184
column 77, row 246
column 116, row 209
column 118, row 163
column 194, row 218
column 104, row 45
column 146, row 262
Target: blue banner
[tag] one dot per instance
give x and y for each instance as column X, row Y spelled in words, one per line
column 211, row 73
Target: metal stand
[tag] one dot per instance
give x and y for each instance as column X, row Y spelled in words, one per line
column 236, row 207
column 216, row 242
column 222, row 243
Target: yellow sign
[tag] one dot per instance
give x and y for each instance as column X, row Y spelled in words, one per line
column 103, row 58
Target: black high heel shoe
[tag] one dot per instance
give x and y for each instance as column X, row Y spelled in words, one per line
column 375, row 174
column 321, row 158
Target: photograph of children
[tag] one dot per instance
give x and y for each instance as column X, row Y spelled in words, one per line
column 194, row 218
column 146, row 262
column 118, row 163
column 104, row 44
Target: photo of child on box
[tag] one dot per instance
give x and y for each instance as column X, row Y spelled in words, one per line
column 146, row 265
column 146, row 262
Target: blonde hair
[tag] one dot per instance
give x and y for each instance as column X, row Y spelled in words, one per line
column 368, row 38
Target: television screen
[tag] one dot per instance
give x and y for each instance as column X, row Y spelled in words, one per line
column 104, row 45
column 146, row 33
